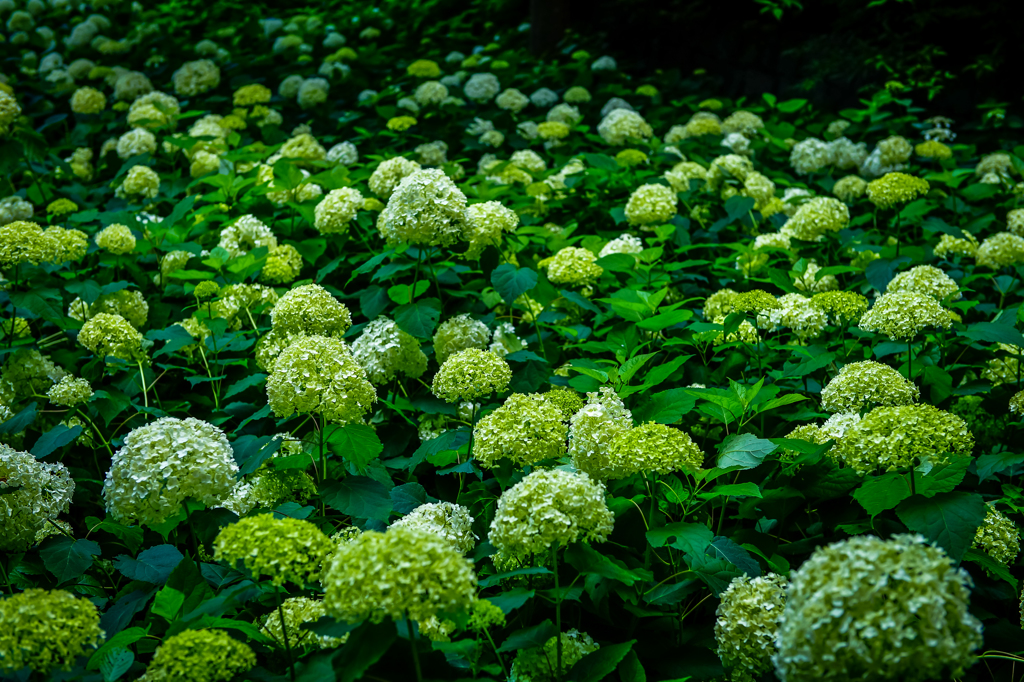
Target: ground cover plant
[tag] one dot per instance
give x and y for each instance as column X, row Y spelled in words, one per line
column 331, row 354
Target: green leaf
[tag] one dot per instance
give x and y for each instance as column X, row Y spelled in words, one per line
column 46, row 303
column 326, row 626
column 993, row 332
column 66, row 558
column 781, row 401
column 666, row 407
column 716, row 572
column 168, row 603
column 179, row 212
column 511, row 600
column 247, row 382
column 252, row 451
column 358, row 496
column 791, row 105
column 746, row 489
column 118, row 641
column 311, row 249
column 948, row 519
column 57, row 437
column 987, row 465
column 131, row 536
column 365, row 647
column 176, row 337
column 688, row 538
column 665, row 370
column 597, row 665
column 724, row 548
column 116, row 663
column 358, row 443
column 511, row 282
column 602, row 161
column 152, row 566
column 580, row 300
column 744, row 450
column 419, row 318
column 665, row 320
column 878, row 493
column 630, row 669
column 492, row 580
column 530, row 637
column 991, row 566
column 586, row 559
column 943, row 477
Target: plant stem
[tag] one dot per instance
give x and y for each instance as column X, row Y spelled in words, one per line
column 501, row 661
column 558, row 616
column 416, row 277
column 415, row 651
column 284, row 635
column 7, row 580
column 99, row 435
column 142, row 378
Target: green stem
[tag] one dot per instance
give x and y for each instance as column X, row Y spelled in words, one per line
column 284, row 635
column 95, row 429
column 501, row 661
column 415, row 650
column 7, row 580
column 558, row 616
column 192, row 531
column 145, row 395
column 416, row 277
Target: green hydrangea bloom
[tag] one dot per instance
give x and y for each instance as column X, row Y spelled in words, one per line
column 890, row 438
column 285, row 549
column 117, row 239
column 651, row 203
column 861, row 385
column 950, row 246
column 654, row 447
column 893, row 189
column 23, row 241
column 566, row 400
column 268, row 488
column 404, row 572
column 926, row 279
column 998, row 537
column 336, row 210
column 425, row 208
column 720, row 304
column 540, row 664
column 240, row 303
column 1017, row 403
column 70, row 391
column 318, row 375
column 200, row 656
column 46, row 630
column 1001, row 250
column 902, row 315
column 284, row 263
column 816, row 217
column 27, row 372
column 573, row 266
column 388, row 175
column 755, row 301
column 526, row 429
column 842, row 307
column 310, row 309
column 299, row 610
column 850, row 188
column 111, row 335
column 31, row 493
column 592, row 430
column 810, row 433
column 550, row 508
column 485, row 224
column 485, row 614
column 748, row 618
column 452, row 522
column 66, row 245
column 871, row 609
column 471, row 374
column 128, row 303
column 206, row 289
column 459, row 333
column 384, row 350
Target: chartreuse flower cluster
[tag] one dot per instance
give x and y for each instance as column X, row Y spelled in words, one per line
column 450, row 521
column 592, row 430
column 403, row 573
column 32, row 493
column 998, row 537
column 902, row 315
column 46, row 630
column 861, row 385
column 459, row 333
column 384, row 350
column 471, row 374
column 866, row 608
column 526, row 429
column 747, row 622
column 201, row 656
column 890, row 438
column 296, row 611
column 539, row 664
column 285, row 549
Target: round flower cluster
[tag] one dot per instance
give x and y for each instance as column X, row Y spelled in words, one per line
column 743, row 122
column 107, row 335
column 46, row 630
column 298, row 611
column 747, row 621
column 344, row 153
column 28, row 373
column 459, row 333
column 482, row 87
column 196, row 77
column 405, row 572
column 285, row 549
column 451, row 522
column 484, row 225
column 539, row 664
column 756, row 301
column 238, row 303
column 651, row 203
column 811, row 155
column 267, row 488
column 165, row 462
column 866, row 608
column 682, row 173
column 141, row 181
column 389, row 173
column 893, row 189
column 795, row 312
column 624, row 243
column 816, row 217
column 998, row 537
column 850, row 188
column 512, row 100
column 425, row 208
column 592, row 430
column 842, row 306
column 200, row 656
column 32, row 493
column 550, row 508
column 1001, row 250
column 574, row 266
column 283, row 265
column 70, row 391
column 310, row 309
column 926, row 279
column 384, row 350
column 117, row 239
column 423, row 68
column 470, row 374
column 88, row 101
column 622, row 125
column 809, row 281
column 566, row 400
column 526, row 429
column 153, row 110
column 318, row 375
column 134, row 143
column 862, row 385
column 890, row 438
column 902, row 315
column 653, row 447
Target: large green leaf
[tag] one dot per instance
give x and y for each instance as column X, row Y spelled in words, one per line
column 511, row 282
column 597, row 665
column 528, row 638
column 358, row 496
column 744, row 450
column 689, row 538
column 948, row 519
column 586, row 559
column 152, row 566
column 66, row 558
column 665, row 407
column 358, row 443
column 419, row 318
column 54, row 439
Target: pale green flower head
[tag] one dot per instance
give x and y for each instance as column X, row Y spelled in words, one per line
column 654, row 447
column 389, row 174
column 526, row 429
column 240, row 304
column 998, row 537
column 850, row 188
column 1017, row 403
column 816, row 217
column 206, row 289
column 425, row 208
column 299, row 610
column 27, row 372
column 862, row 385
column 842, row 307
column 46, row 630
column 117, row 239
column 748, row 619
column 165, row 462
column 592, row 430
column 70, row 391
column 31, row 493
column 539, row 664
column 621, row 125
column 284, row 263
column 650, row 204
column 566, row 400
column 485, row 224
column 451, row 522
column 405, row 572
column 267, row 488
column 107, row 335
column 550, row 508
column 902, row 315
column 128, row 303
column 66, row 245
column 871, row 609
column 1001, row 250
column 893, row 189
column 471, row 374
column 246, row 234
column 720, row 304
column 286, row 550
column 574, row 266
column 336, row 210
column 23, row 241
column 891, row 438
column 926, row 279
column 200, row 656
column 485, row 614
column 318, row 375
column 459, row 333
column 384, row 350
column 310, row 309
column 755, row 301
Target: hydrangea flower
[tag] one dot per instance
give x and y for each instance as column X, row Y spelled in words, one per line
column 653, row 447
column 296, row 612
column 526, row 429
column 620, row 125
column 116, row 238
column 485, row 223
column 652, row 203
column 452, row 522
column 70, row 391
column 894, row 189
column 108, row 335
column 860, row 385
column 470, row 374
column 32, row 493
column 46, row 630
column 816, row 217
column 574, row 266
column 310, row 309
column 384, row 350
column 200, row 656
column 902, row 315
column 425, row 208
column 539, row 664
column 747, row 621
column 998, row 537
column 284, row 549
